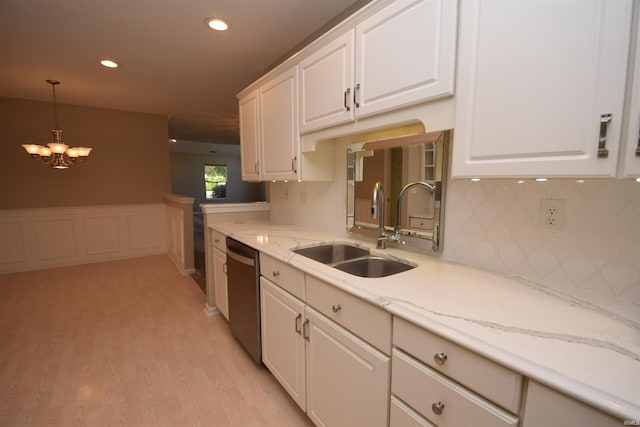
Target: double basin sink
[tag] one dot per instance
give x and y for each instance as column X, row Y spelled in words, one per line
column 353, row 260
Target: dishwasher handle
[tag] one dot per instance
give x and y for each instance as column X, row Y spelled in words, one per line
column 240, row 258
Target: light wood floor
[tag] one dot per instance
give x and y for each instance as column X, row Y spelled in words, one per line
column 126, row 343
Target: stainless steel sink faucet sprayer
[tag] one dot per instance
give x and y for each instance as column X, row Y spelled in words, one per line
column 377, row 204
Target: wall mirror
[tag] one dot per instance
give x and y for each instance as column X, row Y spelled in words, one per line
column 395, row 163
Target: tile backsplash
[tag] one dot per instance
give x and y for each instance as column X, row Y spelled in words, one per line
column 494, row 224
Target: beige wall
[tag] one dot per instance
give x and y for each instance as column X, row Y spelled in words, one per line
column 129, row 162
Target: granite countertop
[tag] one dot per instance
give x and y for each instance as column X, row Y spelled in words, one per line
column 583, row 345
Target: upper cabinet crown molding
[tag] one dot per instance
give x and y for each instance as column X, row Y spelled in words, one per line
column 540, row 88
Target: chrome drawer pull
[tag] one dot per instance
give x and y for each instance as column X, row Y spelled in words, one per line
column 346, row 97
column 438, row 408
column 298, row 329
column 275, row 273
column 440, row 358
column 336, row 308
column 638, row 147
column 355, row 95
column 305, row 330
column 602, row 141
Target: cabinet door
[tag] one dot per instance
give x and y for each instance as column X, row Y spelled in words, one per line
column 536, row 81
column 249, row 137
column 347, row 379
column 545, row 407
column 282, row 316
column 220, row 282
column 405, row 54
column 279, row 133
column 632, row 151
column 325, row 85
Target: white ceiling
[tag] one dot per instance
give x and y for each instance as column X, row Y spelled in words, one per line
column 171, row 62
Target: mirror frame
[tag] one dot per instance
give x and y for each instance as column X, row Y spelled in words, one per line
column 412, row 239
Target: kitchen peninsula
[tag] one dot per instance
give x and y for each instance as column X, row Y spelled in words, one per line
column 580, row 346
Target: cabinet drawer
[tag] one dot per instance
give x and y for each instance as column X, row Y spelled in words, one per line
column 288, row 278
column 367, row 321
column 485, row 377
column 423, row 389
column 420, row 223
column 218, row 240
column 401, row 415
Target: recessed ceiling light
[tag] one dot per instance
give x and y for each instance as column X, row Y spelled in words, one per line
column 218, row 24
column 108, row 63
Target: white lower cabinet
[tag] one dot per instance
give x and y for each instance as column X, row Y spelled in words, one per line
column 336, row 376
column 436, row 381
column 219, row 250
column 283, row 347
column 441, row 400
column 220, row 282
column 401, row 414
column 547, row 407
column 347, row 379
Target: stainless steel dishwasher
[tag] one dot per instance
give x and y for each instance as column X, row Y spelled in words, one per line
column 243, row 283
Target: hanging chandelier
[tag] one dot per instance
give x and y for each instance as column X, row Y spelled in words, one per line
column 57, row 154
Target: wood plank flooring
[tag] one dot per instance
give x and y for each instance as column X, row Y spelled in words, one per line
column 126, row 343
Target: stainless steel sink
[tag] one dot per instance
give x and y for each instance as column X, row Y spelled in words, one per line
column 373, row 266
column 353, row 260
column 332, row 252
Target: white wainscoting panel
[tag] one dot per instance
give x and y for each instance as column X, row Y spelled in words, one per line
column 143, row 230
column 12, row 248
column 55, row 238
column 32, row 239
column 101, row 235
column 180, row 231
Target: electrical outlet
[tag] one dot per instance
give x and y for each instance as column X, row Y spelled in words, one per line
column 552, row 214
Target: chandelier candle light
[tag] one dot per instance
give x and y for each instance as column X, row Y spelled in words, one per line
column 57, row 154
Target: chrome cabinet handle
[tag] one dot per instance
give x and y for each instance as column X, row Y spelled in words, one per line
column 305, row 330
column 355, row 95
column 346, row 99
column 293, row 164
column 602, row 141
column 297, row 324
column 275, row 273
column 440, row 358
column 638, row 147
column 438, row 408
column 336, row 308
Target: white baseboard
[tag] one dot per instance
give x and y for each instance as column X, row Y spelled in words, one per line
column 211, row 311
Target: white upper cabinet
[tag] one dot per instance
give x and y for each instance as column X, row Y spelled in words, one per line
column 249, row 137
column 540, row 87
column 401, row 55
column 280, row 137
column 632, row 151
column 323, row 77
column 405, row 54
column 269, row 135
